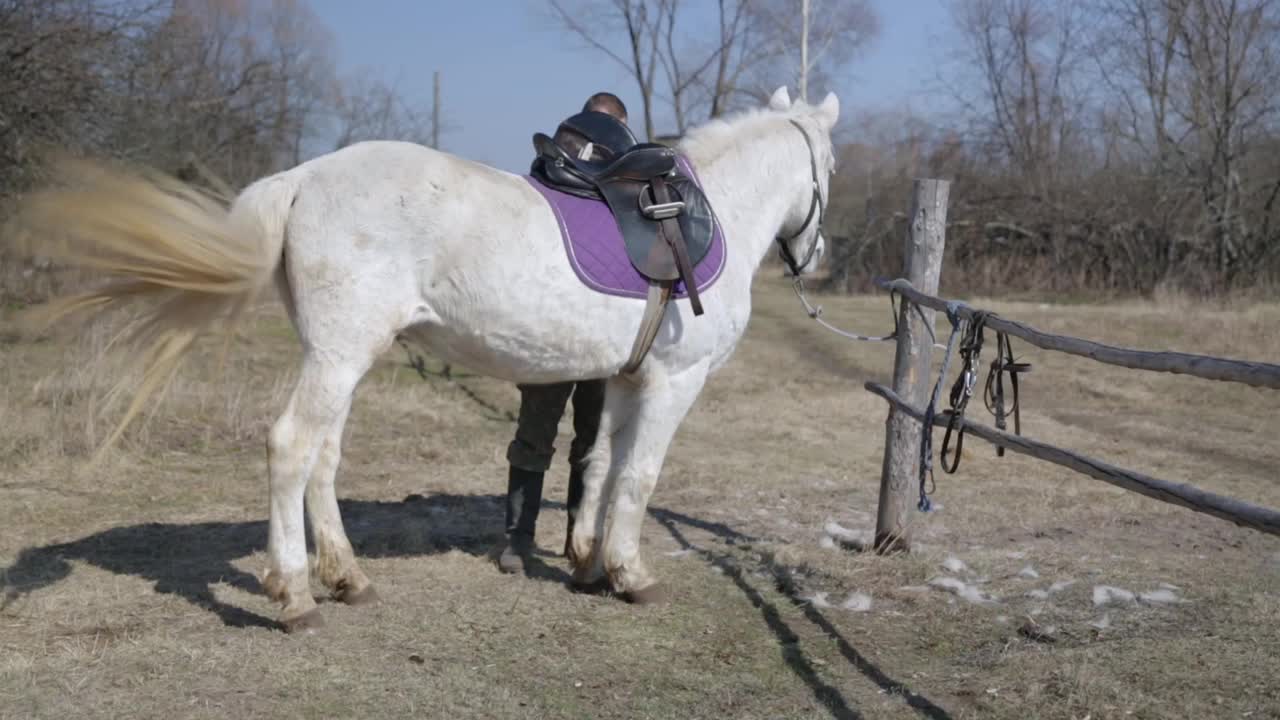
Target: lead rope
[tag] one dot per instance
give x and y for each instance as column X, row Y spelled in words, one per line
column 815, row 313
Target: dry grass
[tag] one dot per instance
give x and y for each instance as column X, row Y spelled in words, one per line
column 131, row 588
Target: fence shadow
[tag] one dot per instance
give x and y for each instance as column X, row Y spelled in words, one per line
column 795, row 658
column 189, row 560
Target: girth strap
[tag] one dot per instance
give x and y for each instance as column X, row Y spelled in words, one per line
column 655, row 307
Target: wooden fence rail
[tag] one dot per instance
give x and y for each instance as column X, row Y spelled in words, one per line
column 1188, row 496
column 1204, row 366
column 901, row 472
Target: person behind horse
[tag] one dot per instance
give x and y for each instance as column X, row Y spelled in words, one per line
column 581, row 147
column 542, row 406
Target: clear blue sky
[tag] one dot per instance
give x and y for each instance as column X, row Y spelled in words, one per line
column 507, row 70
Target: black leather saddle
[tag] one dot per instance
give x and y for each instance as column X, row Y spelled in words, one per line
column 666, row 221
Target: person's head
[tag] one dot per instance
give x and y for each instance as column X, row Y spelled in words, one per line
column 607, row 103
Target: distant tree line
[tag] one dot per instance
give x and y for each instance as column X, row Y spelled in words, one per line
column 1095, row 146
column 1099, row 146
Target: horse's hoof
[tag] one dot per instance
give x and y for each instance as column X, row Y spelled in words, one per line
column 305, row 624
column 592, row 587
column 655, row 594
column 366, row 596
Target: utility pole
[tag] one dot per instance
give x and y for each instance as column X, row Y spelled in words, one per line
column 804, row 51
column 435, row 110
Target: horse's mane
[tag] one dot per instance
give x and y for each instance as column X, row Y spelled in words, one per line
column 721, row 135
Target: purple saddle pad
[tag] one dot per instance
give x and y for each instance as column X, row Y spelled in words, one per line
column 596, row 252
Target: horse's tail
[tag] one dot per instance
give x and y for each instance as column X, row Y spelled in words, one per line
column 157, row 238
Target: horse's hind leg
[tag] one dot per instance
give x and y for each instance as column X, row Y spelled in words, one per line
column 336, row 564
column 319, row 402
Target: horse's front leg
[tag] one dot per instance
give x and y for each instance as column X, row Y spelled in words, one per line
column 639, row 452
column 590, row 511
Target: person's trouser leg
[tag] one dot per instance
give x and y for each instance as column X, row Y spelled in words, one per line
column 529, row 454
column 588, row 403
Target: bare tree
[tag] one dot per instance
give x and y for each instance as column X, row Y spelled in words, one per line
column 1194, row 82
column 738, row 51
column 809, row 41
column 1028, row 106
column 54, row 56
column 366, row 108
column 703, row 74
column 209, row 90
column 705, row 77
column 597, row 22
column 1230, row 48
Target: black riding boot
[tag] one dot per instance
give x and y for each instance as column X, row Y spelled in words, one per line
column 575, row 499
column 524, row 499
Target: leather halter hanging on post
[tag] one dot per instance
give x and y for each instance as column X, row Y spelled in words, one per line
column 993, row 395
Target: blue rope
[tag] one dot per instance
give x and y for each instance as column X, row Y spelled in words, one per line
column 926, row 439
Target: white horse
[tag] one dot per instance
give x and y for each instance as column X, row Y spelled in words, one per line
column 387, row 238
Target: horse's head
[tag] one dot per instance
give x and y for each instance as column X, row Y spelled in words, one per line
column 800, row 239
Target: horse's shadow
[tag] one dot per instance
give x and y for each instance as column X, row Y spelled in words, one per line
column 190, row 560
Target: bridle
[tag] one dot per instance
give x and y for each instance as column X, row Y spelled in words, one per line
column 815, row 204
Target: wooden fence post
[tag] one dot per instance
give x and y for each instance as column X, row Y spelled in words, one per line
column 922, row 264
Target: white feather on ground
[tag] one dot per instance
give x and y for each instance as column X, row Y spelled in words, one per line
column 963, row 590
column 1028, row 572
column 954, row 564
column 1163, row 596
column 1106, row 594
column 840, row 536
column 857, row 602
column 816, row 599
column 1061, row 585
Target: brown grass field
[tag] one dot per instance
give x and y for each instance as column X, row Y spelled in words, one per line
column 131, row 590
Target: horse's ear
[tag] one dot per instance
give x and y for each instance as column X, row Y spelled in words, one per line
column 829, row 111
column 781, row 99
